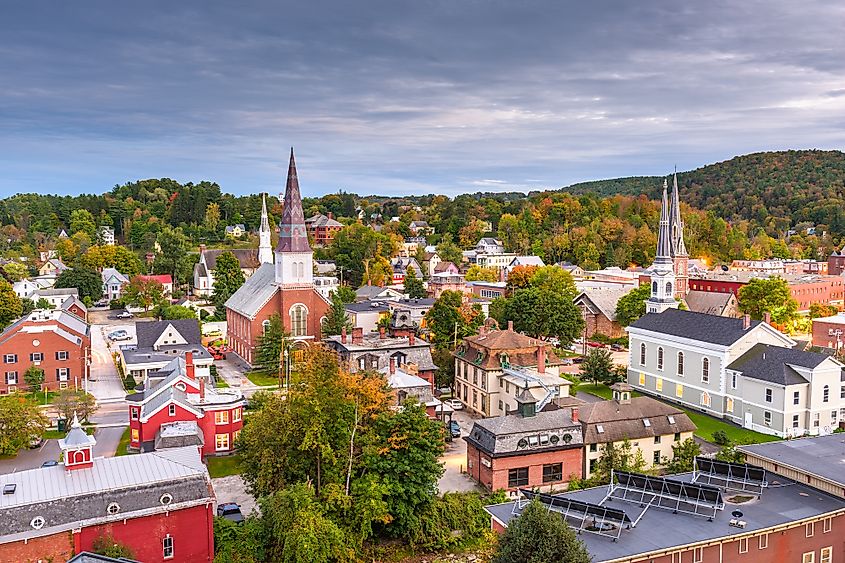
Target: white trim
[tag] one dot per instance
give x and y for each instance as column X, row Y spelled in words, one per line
column 187, row 407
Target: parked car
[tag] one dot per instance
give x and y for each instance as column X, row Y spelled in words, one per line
column 50, row 463
column 217, row 352
column 36, row 442
column 592, row 344
column 124, row 315
column 454, row 429
column 566, row 361
column 617, row 347
column 119, row 335
column 578, row 360
column 456, row 404
column 231, row 511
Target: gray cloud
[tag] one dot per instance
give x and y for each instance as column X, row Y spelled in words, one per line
column 408, row 97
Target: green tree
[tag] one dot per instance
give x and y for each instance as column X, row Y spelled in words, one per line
column 239, row 543
column 20, row 421
column 448, row 250
column 173, row 312
column 34, row 378
column 27, row 306
column 15, row 271
column 477, row 273
column 413, row 285
column 87, row 280
column 683, row 456
column 337, row 319
column 70, row 402
column 598, row 366
column 818, row 310
column 110, row 547
column 730, row 454
column 228, row 278
column 541, row 313
column 346, row 293
column 42, row 303
column 619, row 457
column 555, row 279
column 144, row 292
column 540, row 536
column 81, row 221
column 212, row 216
column 10, row 304
column 268, row 349
column 631, row 306
column 767, row 295
column 173, row 246
column 450, row 318
column 356, row 248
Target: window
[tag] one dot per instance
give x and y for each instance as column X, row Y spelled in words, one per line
column 826, row 555
column 167, row 545
column 660, row 358
column 809, row 529
column 62, row 374
column 654, row 288
column 642, row 354
column 729, row 404
column 671, row 419
column 809, row 557
column 697, row 555
column 298, row 320
column 795, row 421
column 236, row 415
column 677, row 436
column 221, row 417
column 642, row 378
column 763, row 541
column 705, row 370
column 265, row 324
column 796, row 398
column 61, row 355
column 657, row 439
column 680, row 363
column 705, row 399
column 743, row 545
column 592, row 465
column 825, row 393
column 658, row 384
column 827, row 524
column 646, row 423
column 733, row 381
column 36, row 357
column 668, row 288
column 599, row 429
column 113, row 508
column 11, row 378
column 221, row 442
column 679, row 390
column 518, row 477
column 171, row 409
column 134, row 412
column 816, row 420
column 10, row 359
column 594, row 447
column 552, row 472
column 767, row 417
column 656, row 460
column 768, row 395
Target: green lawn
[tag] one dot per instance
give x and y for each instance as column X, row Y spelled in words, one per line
column 124, row 442
column 41, row 398
column 223, row 466
column 262, row 380
column 220, row 383
column 706, row 424
column 55, row 434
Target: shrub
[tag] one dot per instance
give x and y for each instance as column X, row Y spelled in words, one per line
column 452, row 520
column 720, row 437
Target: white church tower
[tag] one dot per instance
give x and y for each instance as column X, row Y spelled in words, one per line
column 663, row 271
column 265, row 248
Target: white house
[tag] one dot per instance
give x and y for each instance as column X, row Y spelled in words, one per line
column 106, row 235
column 113, row 284
column 490, row 245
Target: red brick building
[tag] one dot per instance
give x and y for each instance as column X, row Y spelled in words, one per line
column 829, row 332
column 175, row 408
column 160, row 505
column 598, row 306
column 806, row 289
column 285, row 288
column 323, row 228
column 529, row 450
column 836, row 262
column 54, row 340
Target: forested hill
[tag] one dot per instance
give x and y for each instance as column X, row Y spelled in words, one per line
column 778, row 190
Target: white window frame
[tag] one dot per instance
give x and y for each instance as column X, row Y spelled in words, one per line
column 809, row 557
column 705, row 370
column 63, row 374
column 236, row 415
column 697, row 554
column 660, row 358
column 222, row 442
column 680, row 366
column 14, row 358
column 826, row 554
column 763, row 541
column 743, row 545
column 827, row 525
column 221, row 417
column 167, row 549
column 171, row 409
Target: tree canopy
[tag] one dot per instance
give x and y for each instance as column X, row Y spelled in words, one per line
column 228, row 278
column 87, row 280
column 767, row 295
column 413, row 285
column 631, row 306
column 20, row 421
column 450, row 318
column 336, row 319
column 540, row 536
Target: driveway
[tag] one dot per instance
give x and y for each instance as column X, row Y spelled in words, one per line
column 455, row 459
column 233, row 489
column 104, row 382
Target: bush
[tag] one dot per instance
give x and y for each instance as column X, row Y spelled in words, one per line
column 720, row 437
column 452, row 520
column 119, row 303
column 108, row 546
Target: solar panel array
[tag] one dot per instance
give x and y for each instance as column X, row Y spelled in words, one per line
column 668, row 494
column 592, row 518
column 730, row 476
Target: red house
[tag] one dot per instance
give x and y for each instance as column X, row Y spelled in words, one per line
column 530, row 449
column 285, row 288
column 54, row 340
column 166, row 280
column 175, row 408
column 160, row 505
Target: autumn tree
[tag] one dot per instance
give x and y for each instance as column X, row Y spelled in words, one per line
column 20, row 421
column 70, row 402
column 520, row 277
column 11, row 306
column 631, row 306
column 819, row 310
column 212, row 216
column 34, row 377
column 15, row 271
column 478, row 273
column 414, row 287
column 144, row 292
column 228, row 278
column 767, row 295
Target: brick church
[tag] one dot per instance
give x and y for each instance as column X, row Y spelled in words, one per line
column 284, row 286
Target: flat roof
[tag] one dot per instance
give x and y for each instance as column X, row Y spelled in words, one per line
column 822, row 456
column 783, row 502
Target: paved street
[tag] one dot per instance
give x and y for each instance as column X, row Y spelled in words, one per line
column 233, row 489
column 104, row 381
column 455, row 459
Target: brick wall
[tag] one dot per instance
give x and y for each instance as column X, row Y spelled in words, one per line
column 496, row 476
column 23, row 345
column 56, row 547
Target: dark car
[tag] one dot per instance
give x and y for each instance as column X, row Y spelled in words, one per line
column 454, row 429
column 231, row 511
column 578, row 360
column 50, row 463
column 617, row 347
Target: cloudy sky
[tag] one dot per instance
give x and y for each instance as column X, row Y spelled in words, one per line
column 408, row 97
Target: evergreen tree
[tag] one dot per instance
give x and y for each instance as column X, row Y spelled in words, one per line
column 598, row 366
column 336, row 319
column 11, row 306
column 268, row 350
column 87, row 280
column 540, row 536
column 413, row 285
column 228, row 278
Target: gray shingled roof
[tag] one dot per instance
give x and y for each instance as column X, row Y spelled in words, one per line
column 255, row 292
column 707, row 301
column 695, row 326
column 148, row 333
column 247, row 257
column 500, row 435
column 605, row 299
column 621, row 421
column 772, row 364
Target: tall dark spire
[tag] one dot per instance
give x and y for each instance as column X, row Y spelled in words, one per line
column 664, row 239
column 293, row 237
column 676, row 224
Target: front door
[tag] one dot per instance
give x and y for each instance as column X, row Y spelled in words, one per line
column 748, row 419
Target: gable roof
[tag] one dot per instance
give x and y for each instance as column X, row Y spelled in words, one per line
column 163, row 279
column 625, row 420
column 149, row 333
column 707, row 301
column 320, row 220
column 773, row 364
column 713, row 329
column 256, row 291
column 527, row 261
column 604, row 299
column 109, row 273
column 247, row 257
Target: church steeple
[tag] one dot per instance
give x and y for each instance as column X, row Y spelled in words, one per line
column 662, row 295
column 294, row 257
column 676, row 224
column 265, row 248
column 664, row 239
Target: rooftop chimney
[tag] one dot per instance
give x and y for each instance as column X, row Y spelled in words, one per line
column 330, row 215
column 510, row 325
column 392, row 366
column 357, row 335
column 541, row 359
column 746, row 322
column 343, row 335
column 411, row 338
column 381, row 333
column 575, row 414
column 767, row 317
column 189, row 365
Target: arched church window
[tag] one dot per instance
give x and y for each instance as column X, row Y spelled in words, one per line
column 668, row 288
column 653, row 288
column 298, row 320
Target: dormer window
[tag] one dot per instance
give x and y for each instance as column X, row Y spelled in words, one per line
column 671, row 419
column 599, row 428
column 646, row 423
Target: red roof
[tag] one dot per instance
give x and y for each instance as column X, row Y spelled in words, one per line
column 163, row 279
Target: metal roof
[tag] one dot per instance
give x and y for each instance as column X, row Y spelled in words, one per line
column 256, row 291
column 823, row 456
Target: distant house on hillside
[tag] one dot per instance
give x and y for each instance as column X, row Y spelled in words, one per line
column 52, row 267
column 113, row 284
column 235, row 231
column 204, row 269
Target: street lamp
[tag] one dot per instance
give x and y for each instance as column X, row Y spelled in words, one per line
column 287, row 370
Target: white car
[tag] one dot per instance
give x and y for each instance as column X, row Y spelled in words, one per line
column 456, row 404
column 119, row 335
